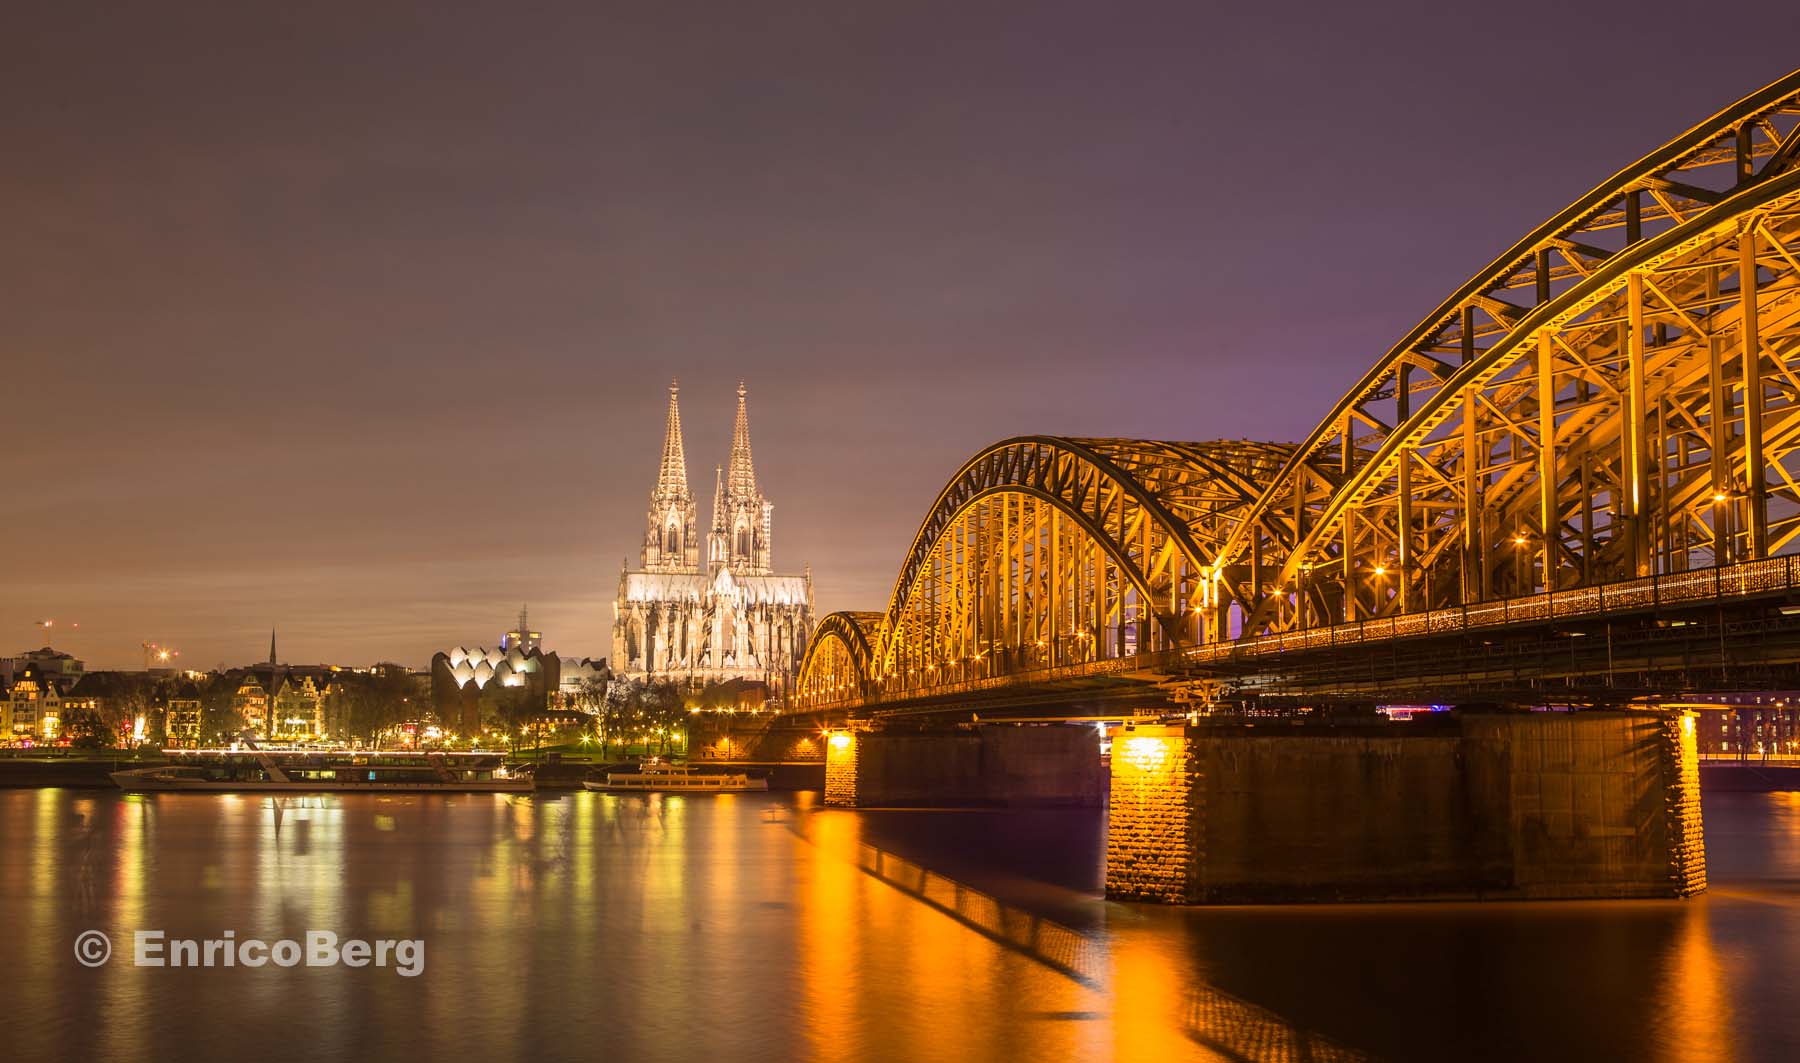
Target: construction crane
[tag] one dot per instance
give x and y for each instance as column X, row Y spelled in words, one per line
column 158, row 654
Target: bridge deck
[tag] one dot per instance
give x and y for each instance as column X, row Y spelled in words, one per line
column 1724, row 628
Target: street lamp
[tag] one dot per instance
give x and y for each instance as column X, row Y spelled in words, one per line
column 1724, row 526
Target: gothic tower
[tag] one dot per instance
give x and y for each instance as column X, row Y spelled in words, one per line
column 734, row 619
column 670, row 544
column 743, row 521
column 718, row 549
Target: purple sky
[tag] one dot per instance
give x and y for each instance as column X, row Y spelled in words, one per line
column 356, row 318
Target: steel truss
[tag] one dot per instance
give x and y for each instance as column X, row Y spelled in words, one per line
column 1617, row 396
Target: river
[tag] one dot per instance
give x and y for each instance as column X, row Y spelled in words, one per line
column 761, row 927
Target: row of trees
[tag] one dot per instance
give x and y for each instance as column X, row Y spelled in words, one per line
column 120, row 700
column 356, row 705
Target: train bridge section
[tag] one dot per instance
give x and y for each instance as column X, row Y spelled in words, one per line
column 1572, row 482
column 1588, row 446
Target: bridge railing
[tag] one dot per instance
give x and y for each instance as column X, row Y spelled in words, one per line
column 1742, row 580
column 1746, row 579
column 1079, row 670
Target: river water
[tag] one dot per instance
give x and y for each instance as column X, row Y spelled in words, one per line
column 760, row 927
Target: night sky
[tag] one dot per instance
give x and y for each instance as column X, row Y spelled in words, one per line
column 357, row 319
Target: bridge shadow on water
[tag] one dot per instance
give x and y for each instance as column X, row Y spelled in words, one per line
column 1149, row 988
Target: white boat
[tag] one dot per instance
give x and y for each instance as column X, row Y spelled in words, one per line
column 325, row 771
column 673, row 779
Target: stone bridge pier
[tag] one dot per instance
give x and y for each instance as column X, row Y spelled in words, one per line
column 1475, row 805
column 1500, row 805
column 989, row 764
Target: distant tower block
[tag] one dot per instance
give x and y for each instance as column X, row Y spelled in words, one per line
column 522, row 637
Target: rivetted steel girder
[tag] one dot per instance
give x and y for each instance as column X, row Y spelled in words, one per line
column 1156, row 510
column 1605, row 414
column 1617, row 394
column 1182, row 497
column 1711, row 180
column 838, row 656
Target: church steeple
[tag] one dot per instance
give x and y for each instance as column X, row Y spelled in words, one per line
column 718, row 544
column 272, row 661
column 672, row 480
column 692, row 620
column 742, row 518
column 670, row 543
column 743, row 470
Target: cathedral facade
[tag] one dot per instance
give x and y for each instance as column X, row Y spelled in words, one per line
column 728, row 617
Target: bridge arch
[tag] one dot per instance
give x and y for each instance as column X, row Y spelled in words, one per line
column 1046, row 552
column 1580, row 410
column 836, row 666
column 1615, row 396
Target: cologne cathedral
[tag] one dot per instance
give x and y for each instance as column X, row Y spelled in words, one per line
column 730, row 618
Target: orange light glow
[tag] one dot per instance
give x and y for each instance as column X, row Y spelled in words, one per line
column 1144, row 753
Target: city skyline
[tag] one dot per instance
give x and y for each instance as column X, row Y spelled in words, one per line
column 370, row 351
column 892, row 532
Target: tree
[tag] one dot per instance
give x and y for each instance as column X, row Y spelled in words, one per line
column 641, row 707
column 365, row 706
column 220, row 720
column 350, row 707
column 590, row 697
column 590, row 694
column 85, row 728
column 138, row 697
column 516, row 709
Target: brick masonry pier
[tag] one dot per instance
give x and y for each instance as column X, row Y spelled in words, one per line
column 1503, row 805
column 989, row 765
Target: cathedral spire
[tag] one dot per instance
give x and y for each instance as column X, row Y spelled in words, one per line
column 669, row 541
column 271, row 647
column 718, row 544
column 671, row 480
column 743, row 471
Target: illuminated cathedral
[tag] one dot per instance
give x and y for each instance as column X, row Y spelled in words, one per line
column 732, row 617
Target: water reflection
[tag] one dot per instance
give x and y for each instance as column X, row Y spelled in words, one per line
column 760, row 927
column 1158, row 1010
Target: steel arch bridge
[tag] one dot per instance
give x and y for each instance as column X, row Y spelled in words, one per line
column 1615, row 398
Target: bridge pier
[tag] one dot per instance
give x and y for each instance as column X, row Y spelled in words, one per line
column 1502, row 805
column 993, row 764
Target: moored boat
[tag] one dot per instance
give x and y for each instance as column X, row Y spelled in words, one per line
column 325, row 771
column 674, row 779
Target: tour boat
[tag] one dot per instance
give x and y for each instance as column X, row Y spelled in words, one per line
column 326, row 771
column 673, row 779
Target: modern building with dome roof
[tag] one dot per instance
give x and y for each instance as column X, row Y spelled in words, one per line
column 466, row 681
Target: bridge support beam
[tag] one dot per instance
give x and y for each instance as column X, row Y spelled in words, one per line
column 1503, row 805
column 998, row 764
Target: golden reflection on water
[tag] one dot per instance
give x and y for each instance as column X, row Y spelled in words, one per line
column 831, row 942
column 663, row 927
column 1146, row 986
column 889, row 938
column 1696, row 994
